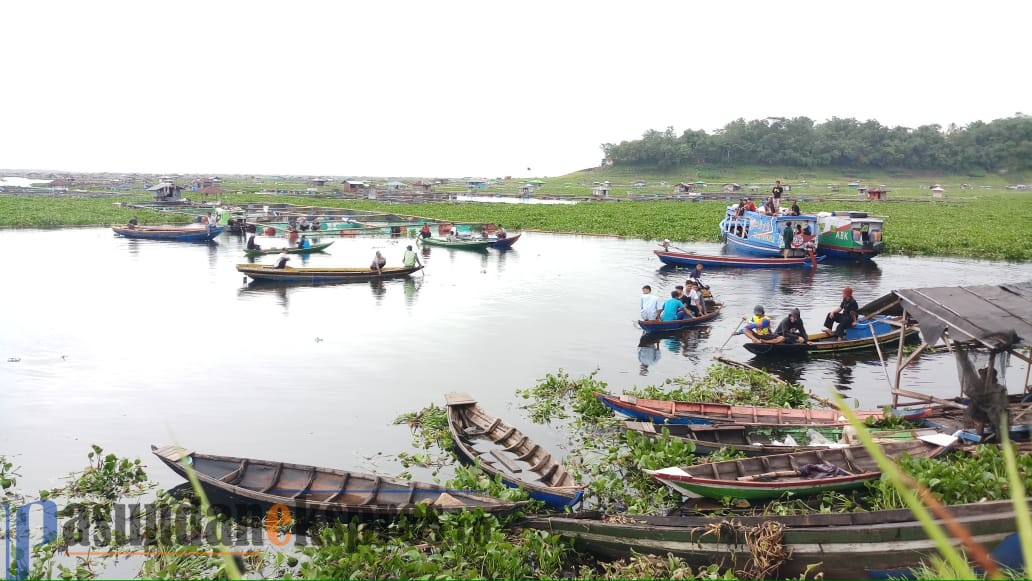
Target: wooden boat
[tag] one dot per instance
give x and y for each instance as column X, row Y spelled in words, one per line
column 317, row 275
column 757, row 234
column 953, row 420
column 691, row 259
column 762, row 440
column 850, row 235
column 505, row 243
column 504, row 450
column 885, row 330
column 840, row 545
column 659, row 326
column 686, row 412
column 795, row 473
column 458, row 243
column 322, row 489
column 291, row 250
column 174, row 233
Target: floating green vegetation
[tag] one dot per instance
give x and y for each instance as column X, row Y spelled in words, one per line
column 108, row 477
column 429, row 431
column 557, row 395
column 732, row 385
column 653, row 567
column 43, row 212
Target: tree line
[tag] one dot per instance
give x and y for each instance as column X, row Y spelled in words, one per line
column 1002, row 144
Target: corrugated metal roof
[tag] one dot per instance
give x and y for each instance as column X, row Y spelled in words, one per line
column 989, row 314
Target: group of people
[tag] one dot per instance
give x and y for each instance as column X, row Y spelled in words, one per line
column 758, row 328
column 771, row 206
column 685, row 301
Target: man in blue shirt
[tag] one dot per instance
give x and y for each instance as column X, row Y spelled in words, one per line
column 673, row 308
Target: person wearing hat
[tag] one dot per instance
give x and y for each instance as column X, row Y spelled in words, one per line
column 758, row 328
column 845, row 315
column 791, row 329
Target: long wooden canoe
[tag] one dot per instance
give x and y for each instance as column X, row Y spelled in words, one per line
column 841, row 545
column 173, row 233
column 316, row 275
column 862, row 336
column 506, row 451
column 291, row 250
column 321, row 489
column 660, row 326
column 691, row 259
column 686, row 412
column 766, row 477
column 753, row 440
column 458, row 243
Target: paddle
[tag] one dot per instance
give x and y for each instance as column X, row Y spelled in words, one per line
column 733, row 333
column 769, row 475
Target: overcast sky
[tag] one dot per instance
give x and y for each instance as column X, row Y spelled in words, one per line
column 486, row 88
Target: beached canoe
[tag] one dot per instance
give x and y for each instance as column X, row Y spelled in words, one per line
column 458, row 243
column 660, row 326
column 796, row 473
column 322, row 489
column 691, row 259
column 686, row 412
column 884, row 330
column 504, row 450
column 173, row 233
column 753, row 440
column 318, row 275
column 292, row 250
column 841, row 545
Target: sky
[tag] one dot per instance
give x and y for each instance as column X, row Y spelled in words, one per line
column 487, row 88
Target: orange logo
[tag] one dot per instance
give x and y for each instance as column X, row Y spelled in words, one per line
column 278, row 514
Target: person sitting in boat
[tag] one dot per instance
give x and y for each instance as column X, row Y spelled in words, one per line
column 695, row 304
column 424, row 232
column 501, row 234
column 845, row 315
column 795, row 209
column 378, row 262
column 315, row 224
column 650, row 306
column 673, row 308
column 304, row 242
column 409, row 259
column 791, row 329
column 750, row 206
column 132, row 222
column 758, row 327
column 740, row 209
column 281, row 260
column 251, row 245
column 302, row 224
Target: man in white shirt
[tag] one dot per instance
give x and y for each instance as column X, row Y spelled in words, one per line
column 649, row 304
column 695, row 299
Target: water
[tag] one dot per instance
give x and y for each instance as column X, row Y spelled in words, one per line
column 125, row 343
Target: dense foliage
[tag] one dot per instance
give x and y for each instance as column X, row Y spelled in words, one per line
column 1003, row 144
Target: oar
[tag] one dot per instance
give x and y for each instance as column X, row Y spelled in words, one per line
column 775, row 474
column 733, row 333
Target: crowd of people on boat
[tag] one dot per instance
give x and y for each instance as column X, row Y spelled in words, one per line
column 759, row 328
column 686, row 301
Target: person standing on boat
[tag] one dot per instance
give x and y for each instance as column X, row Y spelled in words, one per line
column 845, row 315
column 251, row 244
column 696, row 277
column 281, row 260
column 410, row 260
column 776, row 192
column 791, row 329
column 650, row 306
column 787, row 235
column 673, row 308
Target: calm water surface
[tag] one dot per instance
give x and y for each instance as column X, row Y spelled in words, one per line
column 125, row 343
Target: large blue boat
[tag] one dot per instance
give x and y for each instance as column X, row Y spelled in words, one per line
column 759, row 234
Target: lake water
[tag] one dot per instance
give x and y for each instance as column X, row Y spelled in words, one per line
column 124, row 343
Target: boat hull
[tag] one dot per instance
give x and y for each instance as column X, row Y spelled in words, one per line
column 504, row 451
column 662, row 326
column 476, row 245
column 840, row 545
column 690, row 260
column 312, row 275
column 170, row 234
column 310, row 249
column 505, row 243
column 860, row 337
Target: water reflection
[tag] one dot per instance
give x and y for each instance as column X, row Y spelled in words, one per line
column 378, row 288
column 648, row 351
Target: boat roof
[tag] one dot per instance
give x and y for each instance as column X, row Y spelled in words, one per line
column 996, row 316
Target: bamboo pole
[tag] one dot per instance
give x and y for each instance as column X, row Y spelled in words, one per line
column 881, row 359
column 899, row 359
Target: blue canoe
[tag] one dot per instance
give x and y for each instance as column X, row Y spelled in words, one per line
column 660, row 326
column 691, row 259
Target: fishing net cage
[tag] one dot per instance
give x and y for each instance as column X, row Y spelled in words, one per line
column 983, row 378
